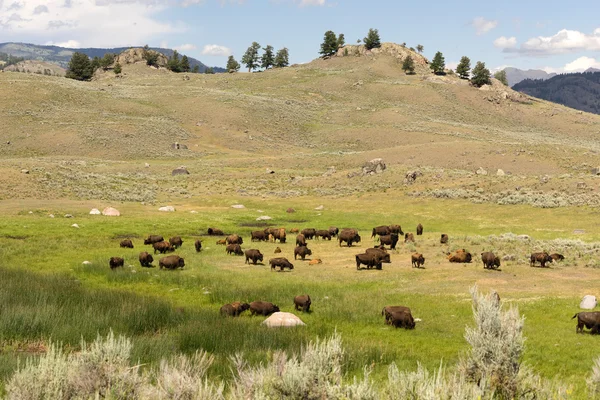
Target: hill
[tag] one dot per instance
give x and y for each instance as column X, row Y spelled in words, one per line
column 37, row 67
column 515, row 75
column 580, row 91
column 62, row 55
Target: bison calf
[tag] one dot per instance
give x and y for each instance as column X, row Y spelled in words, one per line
column 146, row 259
column 302, row 303
column 280, row 262
column 417, row 260
column 409, row 237
column 419, row 230
column 116, row 262
column 126, row 243
column 444, row 238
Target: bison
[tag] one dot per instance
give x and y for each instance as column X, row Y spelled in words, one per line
column 402, row 319
column 277, row 250
column 222, row 242
column 300, row 240
column 176, row 241
column 302, row 251
column 390, row 240
column 383, row 255
column 349, row 236
column 294, row 230
column 234, row 309
column 279, row 234
column 258, row 236
column 126, row 243
column 323, row 234
column 381, row 231
column 146, row 259
column 333, row 231
column 315, row 261
column 417, row 260
column 234, row 249
column 253, row 254
column 419, row 230
column 116, row 262
column 153, row 239
column 490, row 261
column 171, row 262
column 397, row 229
column 215, row 232
column 590, row 320
column 460, row 256
column 234, row 239
column 444, row 238
column 263, row 308
column 388, row 310
column 162, row 247
column 302, row 303
column 198, row 245
column 309, row 233
column 557, row 257
column 542, row 258
column 369, row 259
column 280, row 262
column 409, row 237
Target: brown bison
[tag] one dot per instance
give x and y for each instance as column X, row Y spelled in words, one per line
column 402, row 319
column 153, row 239
column 397, row 229
column 234, row 239
column 388, row 310
column 417, row 260
column 370, row 260
column 333, row 231
column 162, row 247
column 198, row 245
column 171, row 262
column 409, row 237
column 302, row 251
column 460, row 256
column 381, row 253
column 126, row 243
column 280, row 262
column 490, row 261
column 253, row 254
column 444, row 238
column 542, row 258
column 390, row 240
column 294, row 230
column 309, row 233
column 300, row 240
column 323, row 234
column 315, row 261
column 215, row 232
column 277, row 250
column 222, row 242
column 279, row 234
column 116, row 262
column 176, row 242
column 146, row 259
column 349, row 236
column 234, row 309
column 557, row 257
column 234, row 249
column 302, row 303
column 381, row 231
column 263, row 308
column 258, row 236
column 419, row 230
column 590, row 320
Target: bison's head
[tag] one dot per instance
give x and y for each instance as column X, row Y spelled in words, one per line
column 260, row 257
column 181, row 263
column 308, row 251
column 357, row 238
column 497, row 261
column 244, row 307
column 290, row 265
column 149, row 258
column 275, row 308
column 422, row 260
column 147, row 241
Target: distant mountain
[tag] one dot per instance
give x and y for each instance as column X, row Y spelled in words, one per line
column 592, row 70
column 515, row 75
column 580, row 91
column 62, row 55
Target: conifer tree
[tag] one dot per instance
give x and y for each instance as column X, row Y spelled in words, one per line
column 196, row 69
column 481, row 75
column 501, row 76
column 184, row 65
column 341, row 40
column 268, row 59
column 464, row 67
column 150, row 56
column 80, row 67
column 408, row 66
column 438, row 64
column 330, row 44
column 174, row 63
column 282, row 59
column 372, row 40
column 232, row 64
column 107, row 61
column 420, row 48
column 250, row 58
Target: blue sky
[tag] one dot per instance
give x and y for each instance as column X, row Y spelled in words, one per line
column 524, row 34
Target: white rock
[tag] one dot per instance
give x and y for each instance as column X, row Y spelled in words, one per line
column 95, row 211
column 68, row 216
column 280, row 319
column 263, row 218
column 418, row 320
column 481, row 171
column 111, row 212
column 86, row 263
column 30, row 212
column 238, row 206
column 321, row 207
column 75, row 226
column 193, row 212
column 500, row 173
column 51, row 215
column 588, row 302
column 167, row 208
column 147, row 165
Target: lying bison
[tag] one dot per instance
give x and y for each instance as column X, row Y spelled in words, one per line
column 215, row 232
column 323, row 234
column 419, row 230
column 417, row 260
column 302, row 251
column 258, row 236
column 590, row 320
column 153, row 239
column 388, row 310
column 176, row 242
column 126, row 243
column 198, row 245
column 380, row 231
column 280, row 262
column 116, row 262
column 300, row 240
column 222, row 242
column 309, row 233
column 277, row 250
column 381, row 253
column 263, row 308
column 349, row 236
column 460, row 256
column 171, row 262
column 302, row 303
column 390, row 240
column 146, row 259
column 234, row 309
column 234, row 249
column 557, row 257
column 541, row 258
column 402, row 319
column 490, row 261
column 444, row 238
column 370, row 260
column 162, row 247
column 253, row 254
column 234, row 239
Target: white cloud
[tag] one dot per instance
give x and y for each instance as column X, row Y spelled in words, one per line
column 506, row 43
column 304, row 3
column 452, row 65
column 216, row 50
column 40, row 9
column 71, row 44
column 483, row 25
column 565, row 41
column 579, row 65
column 185, row 47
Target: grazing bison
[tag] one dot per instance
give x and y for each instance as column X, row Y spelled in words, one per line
column 388, row 310
column 234, row 249
column 460, row 256
column 397, row 229
column 309, row 233
column 419, row 230
column 222, row 241
column 402, row 319
column 490, row 261
column 381, row 253
column 300, row 240
column 263, row 308
column 215, row 232
column 259, row 236
column 280, row 262
column 590, row 320
column 171, row 262
column 409, row 237
column 234, row 309
column 542, row 258
column 369, row 259
column 381, row 231
column 302, row 251
column 323, row 234
column 198, row 245
column 126, row 243
column 234, row 239
column 444, row 238
column 390, row 240
column 417, row 260
column 153, row 239
column 116, row 262
column 176, row 241
column 253, row 254
column 557, row 257
column 333, row 231
column 162, row 247
column 349, row 236
column 146, row 259
column 302, row 303
column 277, row 250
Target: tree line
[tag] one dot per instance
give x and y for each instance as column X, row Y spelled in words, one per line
column 9, row 60
column 253, row 60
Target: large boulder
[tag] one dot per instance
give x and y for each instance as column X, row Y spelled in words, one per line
column 111, row 212
column 280, row 319
column 588, row 302
column 167, row 208
column 375, row 166
column 95, row 211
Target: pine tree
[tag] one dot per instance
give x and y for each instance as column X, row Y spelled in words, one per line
column 501, row 76
column 117, row 69
column 420, row 48
column 184, row 65
column 80, row 67
column 232, row 64
column 150, row 56
column 209, row 70
column 196, row 69
column 250, row 58
column 268, row 59
column 372, row 40
column 464, row 67
column 95, row 63
column 438, row 64
column 330, row 44
column 341, row 40
column 282, row 59
column 107, row 61
column 174, row 63
column 481, row 75
column 408, row 66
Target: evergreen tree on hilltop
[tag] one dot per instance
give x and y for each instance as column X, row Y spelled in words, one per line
column 95, row 63
column 420, row 48
column 250, row 58
column 481, row 75
column 184, row 65
column 174, row 63
column 501, row 76
column 107, row 61
column 150, row 56
column 80, row 67
column 282, row 59
column 117, row 70
column 330, row 44
column 438, row 64
column 341, row 40
column 232, row 64
column 464, row 67
column 372, row 41
column 408, row 66
column 268, row 59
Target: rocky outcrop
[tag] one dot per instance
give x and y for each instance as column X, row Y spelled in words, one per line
column 390, row 49
column 136, row 55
